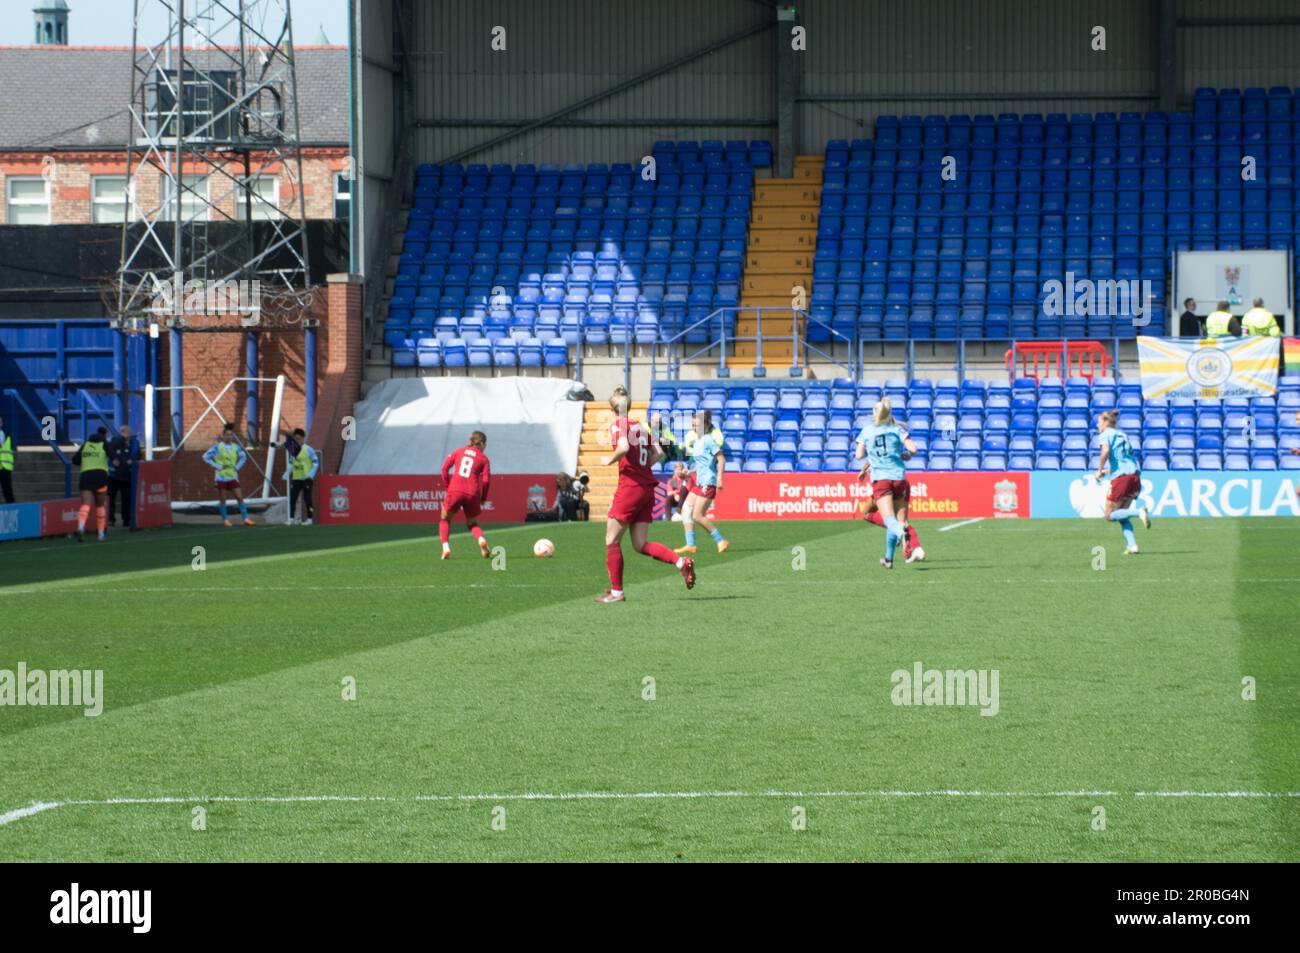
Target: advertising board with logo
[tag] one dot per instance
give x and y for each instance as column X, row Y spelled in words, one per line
column 964, row 495
column 1169, row 494
column 59, row 517
column 153, row 493
column 417, row 498
column 20, row 520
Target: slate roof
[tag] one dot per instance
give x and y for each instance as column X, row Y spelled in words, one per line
column 74, row 97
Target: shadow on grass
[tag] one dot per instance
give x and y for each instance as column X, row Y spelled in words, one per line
column 58, row 558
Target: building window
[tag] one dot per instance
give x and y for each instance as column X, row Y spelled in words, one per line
column 28, row 201
column 265, row 194
column 342, row 196
column 194, row 198
column 108, row 199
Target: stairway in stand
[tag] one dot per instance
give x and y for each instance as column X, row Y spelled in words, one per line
column 596, row 419
column 779, row 255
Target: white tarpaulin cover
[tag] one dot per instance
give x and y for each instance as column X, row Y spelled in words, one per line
column 409, row 425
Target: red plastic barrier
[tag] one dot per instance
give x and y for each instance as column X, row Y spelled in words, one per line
column 1040, row 359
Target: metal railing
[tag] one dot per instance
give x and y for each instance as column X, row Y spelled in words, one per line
column 88, row 406
column 960, row 347
column 676, row 353
column 41, row 424
column 717, row 342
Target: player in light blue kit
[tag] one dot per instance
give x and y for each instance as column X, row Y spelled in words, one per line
column 1125, row 479
column 886, row 447
column 707, row 465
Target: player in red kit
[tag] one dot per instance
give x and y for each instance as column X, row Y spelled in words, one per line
column 465, row 477
column 635, row 451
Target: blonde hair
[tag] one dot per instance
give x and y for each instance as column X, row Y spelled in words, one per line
column 1111, row 417
column 883, row 413
column 619, row 401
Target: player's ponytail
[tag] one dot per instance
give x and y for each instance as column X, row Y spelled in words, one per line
column 619, row 401
column 1111, row 417
column 883, row 412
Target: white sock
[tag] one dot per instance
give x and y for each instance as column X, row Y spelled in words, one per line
column 446, row 547
column 616, row 592
column 680, row 562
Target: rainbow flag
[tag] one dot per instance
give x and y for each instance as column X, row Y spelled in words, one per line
column 1291, row 355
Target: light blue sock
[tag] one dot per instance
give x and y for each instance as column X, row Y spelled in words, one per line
column 1127, row 526
column 716, row 534
column 243, row 510
column 893, row 533
column 1119, row 516
column 690, row 534
column 221, row 508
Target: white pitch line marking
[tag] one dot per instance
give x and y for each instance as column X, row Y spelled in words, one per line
column 944, row 529
column 40, row 807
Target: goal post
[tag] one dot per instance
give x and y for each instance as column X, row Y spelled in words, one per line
column 152, row 447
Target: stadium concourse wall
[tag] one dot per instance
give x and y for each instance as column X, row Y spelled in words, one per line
column 211, row 358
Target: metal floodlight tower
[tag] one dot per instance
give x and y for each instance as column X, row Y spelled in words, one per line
column 214, row 193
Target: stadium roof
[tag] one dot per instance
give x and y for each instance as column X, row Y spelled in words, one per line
column 74, row 97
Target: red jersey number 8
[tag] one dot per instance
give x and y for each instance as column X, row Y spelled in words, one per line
column 466, row 464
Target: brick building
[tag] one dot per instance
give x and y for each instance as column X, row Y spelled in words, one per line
column 63, row 129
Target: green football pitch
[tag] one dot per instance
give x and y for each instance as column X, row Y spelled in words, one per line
column 1147, row 710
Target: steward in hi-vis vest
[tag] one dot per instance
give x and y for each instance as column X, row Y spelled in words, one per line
column 6, row 464
column 1221, row 323
column 1259, row 320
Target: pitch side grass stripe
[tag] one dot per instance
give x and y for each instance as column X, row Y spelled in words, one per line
column 41, row 807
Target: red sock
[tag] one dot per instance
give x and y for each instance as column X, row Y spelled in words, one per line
column 614, row 562
column 444, row 530
column 82, row 515
column 476, row 532
column 875, row 517
column 912, row 539
column 101, row 517
column 660, row 552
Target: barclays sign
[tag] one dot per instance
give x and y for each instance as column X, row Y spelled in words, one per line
column 1181, row 493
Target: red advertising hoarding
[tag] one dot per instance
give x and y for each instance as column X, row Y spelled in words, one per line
column 417, row 498
column 967, row 495
column 153, row 493
column 59, row 517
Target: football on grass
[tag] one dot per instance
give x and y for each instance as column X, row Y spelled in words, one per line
column 544, row 549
